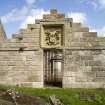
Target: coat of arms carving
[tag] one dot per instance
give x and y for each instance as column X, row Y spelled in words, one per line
column 52, row 37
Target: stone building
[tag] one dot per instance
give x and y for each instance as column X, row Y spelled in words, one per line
column 55, row 51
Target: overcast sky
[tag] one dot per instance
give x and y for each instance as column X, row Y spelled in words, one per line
column 15, row 14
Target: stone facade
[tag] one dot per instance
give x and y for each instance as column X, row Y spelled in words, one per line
column 25, row 58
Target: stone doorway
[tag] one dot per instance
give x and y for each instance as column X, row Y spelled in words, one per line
column 53, row 67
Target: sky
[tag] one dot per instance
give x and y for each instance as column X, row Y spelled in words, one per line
column 15, row 14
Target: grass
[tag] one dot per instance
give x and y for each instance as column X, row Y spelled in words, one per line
column 67, row 96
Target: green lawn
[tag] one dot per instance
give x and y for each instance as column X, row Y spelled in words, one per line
column 67, row 96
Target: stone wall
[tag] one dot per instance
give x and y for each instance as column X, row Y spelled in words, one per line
column 21, row 68
column 21, row 59
column 84, row 58
column 84, row 68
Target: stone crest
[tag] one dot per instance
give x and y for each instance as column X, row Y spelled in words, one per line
column 53, row 37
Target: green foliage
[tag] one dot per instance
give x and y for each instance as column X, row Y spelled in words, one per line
column 67, row 96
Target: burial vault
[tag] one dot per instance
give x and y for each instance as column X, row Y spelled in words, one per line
column 54, row 51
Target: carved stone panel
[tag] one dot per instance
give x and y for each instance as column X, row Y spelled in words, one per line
column 52, row 36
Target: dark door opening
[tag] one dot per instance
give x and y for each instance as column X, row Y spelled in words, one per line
column 53, row 67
